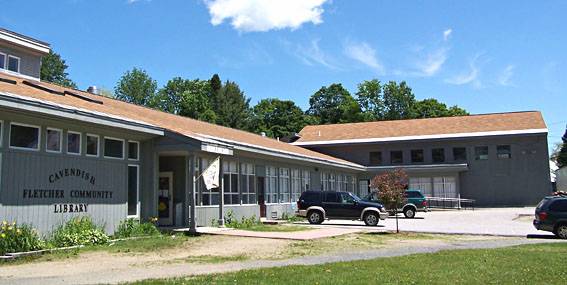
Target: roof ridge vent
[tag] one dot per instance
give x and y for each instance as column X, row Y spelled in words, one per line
column 43, row 88
column 82, row 97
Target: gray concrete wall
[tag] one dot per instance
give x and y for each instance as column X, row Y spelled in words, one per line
column 30, row 63
column 561, row 179
column 520, row 180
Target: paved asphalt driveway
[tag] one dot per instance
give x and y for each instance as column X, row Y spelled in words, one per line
column 485, row 221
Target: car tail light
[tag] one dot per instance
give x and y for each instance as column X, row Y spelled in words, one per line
column 424, row 203
column 298, row 204
column 542, row 216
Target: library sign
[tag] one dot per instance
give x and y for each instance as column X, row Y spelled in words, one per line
column 68, row 199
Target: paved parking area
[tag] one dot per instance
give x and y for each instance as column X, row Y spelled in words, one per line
column 484, row 221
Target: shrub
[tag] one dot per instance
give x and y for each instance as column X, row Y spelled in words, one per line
column 78, row 231
column 18, row 238
column 134, row 228
column 233, row 222
column 291, row 217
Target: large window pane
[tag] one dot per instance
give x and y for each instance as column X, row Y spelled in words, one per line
column 438, row 155
column 133, row 150
column 73, row 143
column 396, row 157
column 13, row 64
column 375, row 158
column 504, row 151
column 481, row 153
column 417, row 155
column 23, row 136
column 92, row 145
column 113, row 148
column 53, row 140
column 2, row 61
column 460, row 154
column 133, row 181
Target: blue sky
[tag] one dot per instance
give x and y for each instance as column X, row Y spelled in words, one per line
column 486, row 56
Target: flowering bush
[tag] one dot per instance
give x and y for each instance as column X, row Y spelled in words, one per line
column 78, row 231
column 134, row 228
column 391, row 186
column 17, row 238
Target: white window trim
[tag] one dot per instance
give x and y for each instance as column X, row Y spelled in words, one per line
column 25, row 125
column 80, row 143
column 138, row 151
column 137, row 215
column 97, row 145
column 123, row 148
column 5, row 60
column 8, row 62
column 60, row 140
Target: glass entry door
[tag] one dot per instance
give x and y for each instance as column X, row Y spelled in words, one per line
column 165, row 199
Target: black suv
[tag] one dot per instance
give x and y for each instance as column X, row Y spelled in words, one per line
column 317, row 206
column 551, row 215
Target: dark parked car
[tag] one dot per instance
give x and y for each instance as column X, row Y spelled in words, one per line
column 317, row 206
column 551, row 215
column 414, row 202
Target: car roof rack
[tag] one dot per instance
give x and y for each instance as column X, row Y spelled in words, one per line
column 559, row 193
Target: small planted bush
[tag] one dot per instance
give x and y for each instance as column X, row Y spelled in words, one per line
column 244, row 223
column 134, row 228
column 78, row 231
column 18, row 238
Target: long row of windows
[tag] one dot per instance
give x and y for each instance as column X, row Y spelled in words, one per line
column 438, row 155
column 337, row 182
column 27, row 137
column 9, row 62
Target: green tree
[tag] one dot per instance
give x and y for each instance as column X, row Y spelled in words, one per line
column 456, row 111
column 216, row 85
column 137, row 87
column 171, row 95
column 195, row 102
column 232, row 107
column 277, row 118
column 54, row 70
column 430, row 108
column 369, row 97
column 399, row 101
column 334, row 104
column 559, row 154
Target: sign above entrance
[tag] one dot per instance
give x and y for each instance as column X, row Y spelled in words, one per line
column 216, row 149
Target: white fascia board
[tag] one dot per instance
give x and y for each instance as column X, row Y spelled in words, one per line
column 284, row 154
column 425, row 137
column 60, row 110
column 24, row 42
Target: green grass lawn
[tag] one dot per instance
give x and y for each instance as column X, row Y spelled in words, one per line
column 276, row 228
column 527, row 264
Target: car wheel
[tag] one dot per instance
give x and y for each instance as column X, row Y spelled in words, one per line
column 371, row 219
column 315, row 217
column 561, row 231
column 409, row 213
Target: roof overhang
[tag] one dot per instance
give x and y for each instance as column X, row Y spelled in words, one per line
column 423, row 137
column 454, row 167
column 24, row 103
column 24, row 41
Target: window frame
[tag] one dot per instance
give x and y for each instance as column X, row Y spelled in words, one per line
column 284, row 185
column 80, row 143
column 5, row 61
column 401, row 159
column 271, row 195
column 60, row 140
column 442, row 153
column 422, row 155
column 137, row 151
column 380, row 160
column 138, row 202
column 8, row 63
column 29, row 126
column 465, row 152
column 477, row 157
column 87, row 145
column 508, row 153
column 123, row 148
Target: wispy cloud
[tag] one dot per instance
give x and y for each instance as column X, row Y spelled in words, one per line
column 432, row 62
column 263, row 15
column 505, row 76
column 365, row 54
column 447, row 33
column 311, row 54
column 470, row 76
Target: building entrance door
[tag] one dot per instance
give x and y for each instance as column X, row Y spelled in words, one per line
column 165, row 199
column 261, row 196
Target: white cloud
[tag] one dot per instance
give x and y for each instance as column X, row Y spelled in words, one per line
column 505, row 77
column 432, row 62
column 447, row 33
column 365, row 54
column 312, row 55
column 468, row 77
column 265, row 15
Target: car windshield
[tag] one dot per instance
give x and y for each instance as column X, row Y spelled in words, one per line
column 356, row 198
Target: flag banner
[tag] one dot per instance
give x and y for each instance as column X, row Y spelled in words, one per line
column 211, row 175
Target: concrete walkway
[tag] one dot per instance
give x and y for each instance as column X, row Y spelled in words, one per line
column 97, row 276
column 296, row 235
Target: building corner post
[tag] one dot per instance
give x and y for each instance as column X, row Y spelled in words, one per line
column 221, row 194
column 193, row 203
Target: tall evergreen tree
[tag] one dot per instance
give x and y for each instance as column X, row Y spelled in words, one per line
column 54, row 70
column 232, row 107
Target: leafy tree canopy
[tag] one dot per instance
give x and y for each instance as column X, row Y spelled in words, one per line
column 54, row 70
column 334, row 104
column 399, row 101
column 369, row 97
column 391, row 186
column 277, row 118
column 232, row 107
column 137, row 87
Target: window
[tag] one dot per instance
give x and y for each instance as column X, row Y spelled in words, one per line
column 295, row 185
column 396, row 157
column 481, row 153
column 363, row 187
column 340, row 183
column 559, row 206
column 375, row 158
column 312, row 197
column 438, row 155
column 332, row 197
column 14, row 63
column 53, row 139
column 421, row 183
column 271, row 185
column 444, row 187
column 133, row 190
column 230, row 176
column 247, row 183
column 24, row 136
column 92, row 145
column 2, row 61
column 346, row 198
column 328, row 181
column 133, row 150
column 284, row 186
column 208, row 197
column 73, row 142
column 460, row 154
column 113, row 148
column 417, row 155
column 306, row 178
column 504, row 151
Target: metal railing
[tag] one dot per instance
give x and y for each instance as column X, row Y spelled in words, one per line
column 450, row 203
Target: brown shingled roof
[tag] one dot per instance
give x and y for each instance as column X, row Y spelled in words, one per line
column 393, row 130
column 182, row 125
